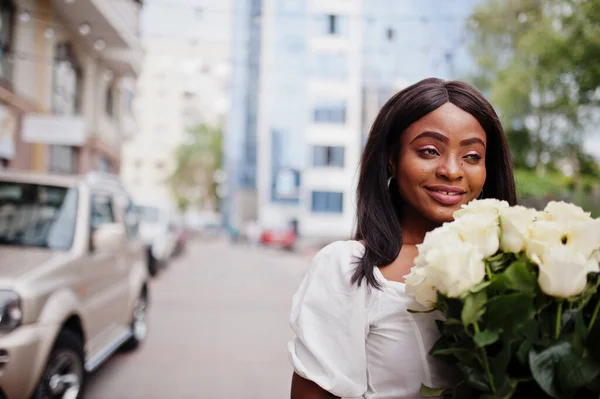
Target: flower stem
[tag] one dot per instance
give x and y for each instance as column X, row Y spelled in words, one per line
column 486, row 364
column 594, row 315
column 488, row 271
column 558, row 319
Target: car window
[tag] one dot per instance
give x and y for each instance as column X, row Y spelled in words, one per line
column 148, row 214
column 37, row 215
column 131, row 218
column 102, row 210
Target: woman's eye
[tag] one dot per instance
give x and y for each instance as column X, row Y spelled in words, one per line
column 474, row 157
column 429, row 151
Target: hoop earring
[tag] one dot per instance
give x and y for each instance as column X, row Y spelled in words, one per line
column 480, row 195
column 389, row 182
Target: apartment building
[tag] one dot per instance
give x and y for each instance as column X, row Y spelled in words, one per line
column 294, row 137
column 68, row 71
column 311, row 77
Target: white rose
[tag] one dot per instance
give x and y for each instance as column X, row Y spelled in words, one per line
column 418, row 286
column 580, row 236
column 543, row 234
column 515, row 222
column 443, row 234
column 453, row 269
column 584, row 237
column 566, row 212
column 563, row 271
column 481, row 230
column 596, row 256
column 488, row 205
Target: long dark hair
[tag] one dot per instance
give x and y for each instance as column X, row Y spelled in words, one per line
column 378, row 208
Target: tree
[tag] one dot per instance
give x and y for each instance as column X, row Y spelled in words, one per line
column 537, row 61
column 196, row 161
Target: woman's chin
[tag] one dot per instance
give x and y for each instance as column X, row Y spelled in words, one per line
column 444, row 214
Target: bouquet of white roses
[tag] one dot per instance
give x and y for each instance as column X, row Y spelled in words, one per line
column 518, row 289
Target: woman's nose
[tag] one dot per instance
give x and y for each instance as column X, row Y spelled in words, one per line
column 451, row 169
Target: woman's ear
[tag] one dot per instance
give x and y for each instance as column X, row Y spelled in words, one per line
column 391, row 168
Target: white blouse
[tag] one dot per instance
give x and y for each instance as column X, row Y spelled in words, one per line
column 359, row 341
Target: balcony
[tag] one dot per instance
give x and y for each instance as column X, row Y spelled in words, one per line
column 115, row 23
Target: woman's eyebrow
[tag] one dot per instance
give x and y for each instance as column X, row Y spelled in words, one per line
column 444, row 139
column 434, row 135
column 472, row 140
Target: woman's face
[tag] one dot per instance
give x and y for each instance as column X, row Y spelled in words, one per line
column 441, row 164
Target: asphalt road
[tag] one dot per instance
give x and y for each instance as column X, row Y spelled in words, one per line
column 218, row 329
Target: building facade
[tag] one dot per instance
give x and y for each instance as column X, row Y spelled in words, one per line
column 300, row 131
column 68, row 74
column 324, row 69
column 241, row 140
column 183, row 83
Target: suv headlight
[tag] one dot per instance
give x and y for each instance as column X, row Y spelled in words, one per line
column 11, row 313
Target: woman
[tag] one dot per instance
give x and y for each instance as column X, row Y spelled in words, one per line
column 434, row 146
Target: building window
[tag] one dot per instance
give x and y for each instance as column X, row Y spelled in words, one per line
column 7, row 13
column 63, row 159
column 127, row 98
column 334, row 23
column 104, row 164
column 328, row 156
column 330, row 65
column 109, row 100
column 66, row 84
column 325, row 201
column 330, row 25
column 390, row 34
column 330, row 111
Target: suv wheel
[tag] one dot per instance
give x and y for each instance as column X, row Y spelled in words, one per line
column 139, row 324
column 64, row 374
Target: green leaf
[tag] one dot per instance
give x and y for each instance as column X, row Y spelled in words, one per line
column 499, row 262
column 442, row 344
column 523, row 352
column 530, row 331
column 580, row 327
column 448, row 351
column 517, row 277
column 576, row 371
column 475, row 377
column 486, row 337
column 463, row 390
column 594, row 385
column 543, row 363
column 450, row 327
column 504, row 390
column 452, row 307
column 473, row 308
column 500, row 363
column 509, row 312
column 593, row 340
column 481, row 286
column 428, row 392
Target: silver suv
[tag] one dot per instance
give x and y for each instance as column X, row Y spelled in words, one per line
column 73, row 281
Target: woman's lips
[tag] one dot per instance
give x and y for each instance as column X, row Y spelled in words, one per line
column 446, row 197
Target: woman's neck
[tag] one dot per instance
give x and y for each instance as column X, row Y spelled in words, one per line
column 414, row 227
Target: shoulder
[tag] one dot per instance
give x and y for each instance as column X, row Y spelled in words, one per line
column 337, row 260
column 327, row 285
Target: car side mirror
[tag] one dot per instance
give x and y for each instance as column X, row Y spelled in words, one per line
column 108, row 238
